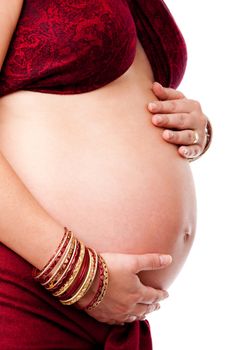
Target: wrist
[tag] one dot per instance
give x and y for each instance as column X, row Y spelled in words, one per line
column 209, row 136
column 209, row 132
column 75, row 274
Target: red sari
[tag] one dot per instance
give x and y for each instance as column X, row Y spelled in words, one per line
column 30, row 318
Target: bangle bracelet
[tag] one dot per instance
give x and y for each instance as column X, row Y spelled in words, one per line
column 74, row 274
column 62, row 268
column 209, row 136
column 103, row 285
column 78, row 279
column 99, row 289
column 55, row 271
column 71, row 272
column 87, row 282
column 68, row 271
column 42, row 275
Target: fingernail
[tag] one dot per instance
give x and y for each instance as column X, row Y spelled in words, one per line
column 157, row 119
column 156, row 83
column 164, row 296
column 142, row 318
column 157, row 307
column 131, row 318
column 195, row 153
column 185, row 152
column 152, row 106
column 169, row 134
column 165, row 259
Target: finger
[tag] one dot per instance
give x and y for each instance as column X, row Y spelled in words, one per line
column 190, row 151
column 174, row 106
column 143, row 309
column 112, row 323
column 153, row 307
column 146, row 262
column 184, row 137
column 115, row 322
column 140, row 311
column 151, row 295
column 178, row 121
column 141, row 318
column 164, row 93
column 130, row 318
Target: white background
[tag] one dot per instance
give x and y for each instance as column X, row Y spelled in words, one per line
column 199, row 311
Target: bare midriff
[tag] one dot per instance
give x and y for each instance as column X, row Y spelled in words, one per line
column 99, row 166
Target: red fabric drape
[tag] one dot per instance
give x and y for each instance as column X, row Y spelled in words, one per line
column 30, row 318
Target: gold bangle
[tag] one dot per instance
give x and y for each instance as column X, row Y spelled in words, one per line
column 87, row 282
column 71, row 271
column 64, row 267
column 78, row 265
column 38, row 273
column 104, row 287
column 59, row 264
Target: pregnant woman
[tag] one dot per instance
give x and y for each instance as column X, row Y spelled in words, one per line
column 79, row 150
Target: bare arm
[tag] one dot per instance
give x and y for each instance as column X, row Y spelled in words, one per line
column 24, row 226
column 9, row 14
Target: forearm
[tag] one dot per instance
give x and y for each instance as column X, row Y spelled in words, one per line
column 25, row 227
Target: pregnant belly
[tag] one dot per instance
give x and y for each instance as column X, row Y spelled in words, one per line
column 113, row 181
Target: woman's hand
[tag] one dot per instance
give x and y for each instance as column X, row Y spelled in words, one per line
column 182, row 119
column 127, row 299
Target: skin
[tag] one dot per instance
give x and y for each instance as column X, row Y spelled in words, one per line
column 9, row 19
column 33, row 234
column 175, row 112
column 16, row 114
column 138, row 301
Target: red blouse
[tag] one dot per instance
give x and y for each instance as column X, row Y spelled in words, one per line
column 70, row 46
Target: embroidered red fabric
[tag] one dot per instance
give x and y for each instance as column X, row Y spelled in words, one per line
column 162, row 40
column 70, row 46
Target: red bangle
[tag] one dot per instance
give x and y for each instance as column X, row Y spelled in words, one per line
column 103, row 285
column 82, row 273
column 44, row 274
column 69, row 271
column 99, row 289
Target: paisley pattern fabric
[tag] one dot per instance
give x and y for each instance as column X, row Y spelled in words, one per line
column 75, row 46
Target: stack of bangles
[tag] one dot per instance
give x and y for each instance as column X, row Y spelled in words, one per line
column 71, row 271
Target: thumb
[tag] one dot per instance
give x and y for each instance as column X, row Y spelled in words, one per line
column 163, row 93
column 146, row 262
